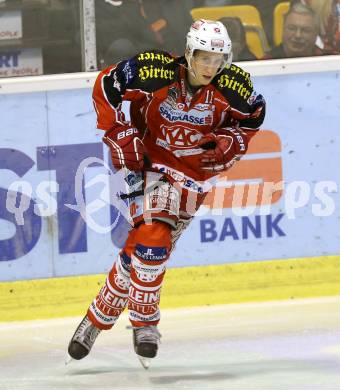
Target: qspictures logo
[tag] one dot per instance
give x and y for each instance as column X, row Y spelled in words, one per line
column 252, row 200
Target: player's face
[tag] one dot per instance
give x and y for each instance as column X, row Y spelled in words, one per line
column 205, row 65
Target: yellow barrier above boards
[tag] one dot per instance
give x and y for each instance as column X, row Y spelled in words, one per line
column 183, row 287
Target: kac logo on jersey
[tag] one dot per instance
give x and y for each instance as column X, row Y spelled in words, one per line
column 180, row 137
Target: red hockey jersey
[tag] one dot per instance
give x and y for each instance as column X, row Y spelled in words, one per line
column 170, row 118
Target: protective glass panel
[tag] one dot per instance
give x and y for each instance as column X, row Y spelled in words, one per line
column 39, row 37
column 123, row 28
column 45, row 36
column 258, row 29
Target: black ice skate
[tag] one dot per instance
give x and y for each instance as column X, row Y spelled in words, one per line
column 82, row 340
column 145, row 342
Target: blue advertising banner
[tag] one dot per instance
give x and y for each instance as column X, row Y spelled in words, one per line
column 58, row 214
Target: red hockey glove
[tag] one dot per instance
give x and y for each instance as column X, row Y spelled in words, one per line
column 127, row 149
column 223, row 148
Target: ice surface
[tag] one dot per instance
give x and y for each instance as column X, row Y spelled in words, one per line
column 287, row 345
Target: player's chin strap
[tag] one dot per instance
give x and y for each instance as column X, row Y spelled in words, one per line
column 188, row 67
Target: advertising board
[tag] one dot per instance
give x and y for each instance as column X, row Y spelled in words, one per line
column 280, row 201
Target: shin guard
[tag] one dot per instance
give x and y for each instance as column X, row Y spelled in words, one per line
column 148, row 264
column 113, row 296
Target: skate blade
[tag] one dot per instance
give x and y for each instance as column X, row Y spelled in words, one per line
column 68, row 359
column 145, row 362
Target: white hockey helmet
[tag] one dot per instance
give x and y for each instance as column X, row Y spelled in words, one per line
column 211, row 36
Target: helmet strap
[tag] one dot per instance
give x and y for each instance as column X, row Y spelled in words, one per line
column 189, row 54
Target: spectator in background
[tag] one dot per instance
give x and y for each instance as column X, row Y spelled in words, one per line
column 126, row 27
column 328, row 15
column 177, row 15
column 237, row 34
column 120, row 29
column 300, row 30
column 266, row 9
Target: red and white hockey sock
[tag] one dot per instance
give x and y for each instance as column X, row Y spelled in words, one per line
column 144, row 293
column 148, row 264
column 112, row 298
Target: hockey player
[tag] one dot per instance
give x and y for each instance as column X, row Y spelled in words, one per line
column 191, row 118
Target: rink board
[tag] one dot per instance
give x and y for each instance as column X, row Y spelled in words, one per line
column 46, row 135
column 183, row 287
